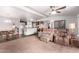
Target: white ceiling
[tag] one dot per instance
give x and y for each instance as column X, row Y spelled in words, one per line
column 43, row 11
column 15, row 12
column 34, row 12
column 69, row 10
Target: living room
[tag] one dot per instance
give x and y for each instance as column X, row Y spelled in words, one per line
column 45, row 28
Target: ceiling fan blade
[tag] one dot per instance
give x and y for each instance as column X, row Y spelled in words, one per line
column 58, row 11
column 61, row 8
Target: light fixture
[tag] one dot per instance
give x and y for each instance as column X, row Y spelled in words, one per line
column 7, row 21
column 13, row 26
column 72, row 27
column 53, row 12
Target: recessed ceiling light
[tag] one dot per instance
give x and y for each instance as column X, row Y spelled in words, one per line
column 7, row 21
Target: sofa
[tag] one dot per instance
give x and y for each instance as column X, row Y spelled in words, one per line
column 46, row 35
column 59, row 36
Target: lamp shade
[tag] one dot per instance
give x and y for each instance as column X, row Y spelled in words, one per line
column 72, row 26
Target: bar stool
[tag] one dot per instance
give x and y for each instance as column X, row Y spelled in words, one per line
column 10, row 35
column 3, row 35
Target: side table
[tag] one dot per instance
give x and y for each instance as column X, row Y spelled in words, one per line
column 75, row 42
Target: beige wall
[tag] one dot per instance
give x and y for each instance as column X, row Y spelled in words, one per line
column 69, row 19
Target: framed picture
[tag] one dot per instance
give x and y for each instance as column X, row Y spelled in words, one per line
column 59, row 24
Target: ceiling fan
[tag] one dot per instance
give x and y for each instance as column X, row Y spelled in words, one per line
column 54, row 9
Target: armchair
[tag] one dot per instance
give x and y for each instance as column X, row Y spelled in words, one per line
column 46, row 35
